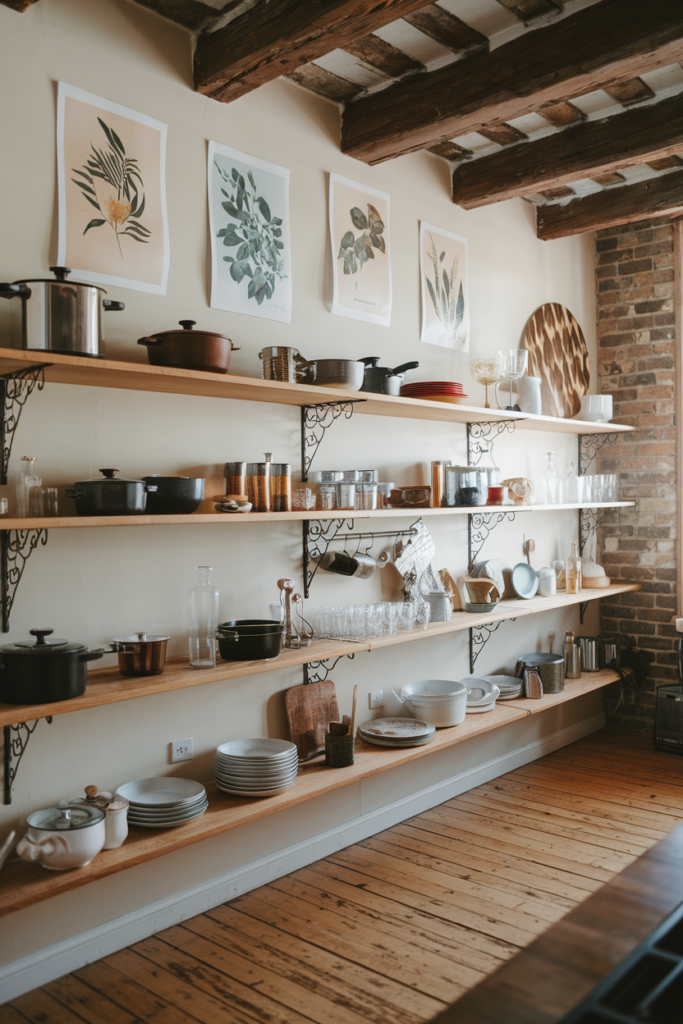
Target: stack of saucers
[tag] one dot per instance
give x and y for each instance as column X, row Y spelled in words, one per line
column 434, row 391
column 396, row 732
column 259, row 767
column 510, row 686
column 163, row 803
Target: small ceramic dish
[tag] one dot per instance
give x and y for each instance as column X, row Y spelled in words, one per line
column 480, row 691
column 524, row 580
column 479, row 608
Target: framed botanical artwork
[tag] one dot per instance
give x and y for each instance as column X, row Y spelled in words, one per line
column 111, row 177
column 251, row 268
column 445, row 300
column 361, row 251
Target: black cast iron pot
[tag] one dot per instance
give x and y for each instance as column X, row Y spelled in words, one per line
column 249, row 639
column 384, row 380
column 110, row 495
column 43, row 671
column 174, row 495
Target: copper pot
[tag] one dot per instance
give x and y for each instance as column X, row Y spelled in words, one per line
column 189, row 350
column 143, row 654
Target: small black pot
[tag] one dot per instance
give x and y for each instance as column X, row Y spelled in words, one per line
column 45, row 671
column 384, row 380
column 249, row 639
column 174, row 495
column 110, row 496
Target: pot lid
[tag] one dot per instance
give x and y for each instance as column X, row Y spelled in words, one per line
column 187, row 325
column 66, row 817
column 541, row 659
column 138, row 638
column 43, row 645
column 61, row 274
column 108, row 477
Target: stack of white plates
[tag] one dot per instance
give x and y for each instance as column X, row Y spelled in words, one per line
column 482, row 694
column 163, row 803
column 396, row 732
column 257, row 767
column 510, row 686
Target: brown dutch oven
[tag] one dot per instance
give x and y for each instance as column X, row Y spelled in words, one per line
column 189, row 350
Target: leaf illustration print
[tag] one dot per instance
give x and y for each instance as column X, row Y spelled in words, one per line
column 355, row 251
column 111, row 182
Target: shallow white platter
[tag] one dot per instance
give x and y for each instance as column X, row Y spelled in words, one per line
column 396, row 728
column 171, row 815
column 257, row 748
column 377, row 742
column 166, row 824
column 163, row 792
column 478, row 709
column 259, row 792
column 480, row 691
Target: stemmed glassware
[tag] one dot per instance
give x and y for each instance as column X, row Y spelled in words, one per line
column 486, row 372
column 513, row 364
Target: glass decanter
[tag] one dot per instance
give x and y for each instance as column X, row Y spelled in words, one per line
column 574, row 571
column 203, row 615
column 551, row 481
column 26, row 481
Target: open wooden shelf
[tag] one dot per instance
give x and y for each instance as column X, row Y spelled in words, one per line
column 197, row 518
column 108, row 686
column 23, row 884
column 132, row 376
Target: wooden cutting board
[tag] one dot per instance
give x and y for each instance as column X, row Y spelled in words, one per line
column 310, row 709
column 558, row 354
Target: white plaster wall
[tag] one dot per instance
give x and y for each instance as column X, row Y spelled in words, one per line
column 91, row 585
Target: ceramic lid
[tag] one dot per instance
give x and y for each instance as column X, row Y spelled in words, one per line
column 43, row 645
column 66, row 818
column 108, row 477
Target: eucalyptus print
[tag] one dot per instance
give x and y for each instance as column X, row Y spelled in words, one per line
column 357, row 250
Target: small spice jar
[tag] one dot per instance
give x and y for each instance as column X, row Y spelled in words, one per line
column 327, row 497
column 346, row 495
column 258, row 484
column 235, row 477
column 280, row 487
column 303, row 499
column 366, row 496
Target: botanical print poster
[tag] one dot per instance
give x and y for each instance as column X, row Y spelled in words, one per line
column 445, row 302
column 361, row 255
column 111, row 173
column 249, row 224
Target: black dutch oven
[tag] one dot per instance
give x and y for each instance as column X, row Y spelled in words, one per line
column 384, row 380
column 249, row 639
column 110, row 495
column 174, row 495
column 45, row 670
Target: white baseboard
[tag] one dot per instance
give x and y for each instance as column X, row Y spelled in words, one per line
column 54, row 961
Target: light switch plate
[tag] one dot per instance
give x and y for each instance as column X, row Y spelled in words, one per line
column 181, row 750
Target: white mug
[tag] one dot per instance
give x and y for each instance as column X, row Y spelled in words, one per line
column 596, row 408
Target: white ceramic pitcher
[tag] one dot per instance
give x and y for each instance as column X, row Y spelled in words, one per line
column 528, row 394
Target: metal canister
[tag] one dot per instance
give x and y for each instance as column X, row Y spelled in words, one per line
column 549, row 666
column 143, row 654
column 590, row 653
column 438, row 483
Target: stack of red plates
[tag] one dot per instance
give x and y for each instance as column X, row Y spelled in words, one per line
column 434, row 391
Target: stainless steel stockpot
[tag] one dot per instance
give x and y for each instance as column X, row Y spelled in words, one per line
column 59, row 315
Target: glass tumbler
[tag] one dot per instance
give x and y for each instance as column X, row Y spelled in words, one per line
column 327, row 496
column 50, row 502
column 366, row 496
column 346, row 495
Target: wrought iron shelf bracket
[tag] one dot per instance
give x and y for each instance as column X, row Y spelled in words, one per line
column 315, row 421
column 589, row 446
column 481, row 526
column 15, row 389
column 14, row 742
column 319, row 534
column 16, row 547
column 318, row 671
column 480, row 636
column 481, row 438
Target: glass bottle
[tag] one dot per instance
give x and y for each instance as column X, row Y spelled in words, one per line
column 551, row 481
column 27, row 480
column 572, row 485
column 573, row 571
column 203, row 615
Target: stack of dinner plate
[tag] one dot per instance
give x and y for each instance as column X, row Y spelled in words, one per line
column 510, row 686
column 434, row 391
column 396, row 732
column 482, row 694
column 163, row 803
column 259, row 767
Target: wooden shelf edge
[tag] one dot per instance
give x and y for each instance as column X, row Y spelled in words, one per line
column 138, row 376
column 197, row 518
column 23, row 884
column 107, row 686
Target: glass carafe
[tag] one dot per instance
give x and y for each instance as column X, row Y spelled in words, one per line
column 551, row 481
column 571, row 485
column 574, row 571
column 203, row 615
column 27, row 480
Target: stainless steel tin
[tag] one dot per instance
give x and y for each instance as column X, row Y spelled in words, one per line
column 59, row 315
column 143, row 654
column 549, row 666
column 572, row 661
column 590, row 653
column 282, row 364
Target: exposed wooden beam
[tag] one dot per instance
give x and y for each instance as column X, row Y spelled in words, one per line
column 527, row 10
column 633, row 90
column 275, row 38
column 325, row 83
column 445, row 28
column 582, row 151
column 605, row 43
column 658, row 197
column 382, row 55
column 19, row 5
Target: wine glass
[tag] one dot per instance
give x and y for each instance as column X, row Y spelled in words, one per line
column 486, row 372
column 513, row 366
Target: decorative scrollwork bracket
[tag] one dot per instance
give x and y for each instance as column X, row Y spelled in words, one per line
column 589, row 446
column 318, row 534
column 14, row 742
column 480, row 636
column 16, row 547
column 15, row 389
column 318, row 671
column 482, row 436
column 481, row 526
column 315, row 421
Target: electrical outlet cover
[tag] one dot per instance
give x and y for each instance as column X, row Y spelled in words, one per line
column 376, row 699
column 181, row 750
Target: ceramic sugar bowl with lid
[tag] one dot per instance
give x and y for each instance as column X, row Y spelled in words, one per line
column 63, row 837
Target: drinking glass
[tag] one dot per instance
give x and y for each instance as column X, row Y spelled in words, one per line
column 422, row 613
column 513, row 365
column 612, row 487
column 486, row 372
column 50, row 503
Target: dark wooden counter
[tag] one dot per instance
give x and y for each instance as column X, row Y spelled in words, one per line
column 554, row 973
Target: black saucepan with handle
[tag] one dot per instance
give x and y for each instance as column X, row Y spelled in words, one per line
column 384, row 380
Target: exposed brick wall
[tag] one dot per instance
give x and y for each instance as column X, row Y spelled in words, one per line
column 636, row 351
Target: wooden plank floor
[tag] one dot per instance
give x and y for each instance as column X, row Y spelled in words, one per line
column 393, row 929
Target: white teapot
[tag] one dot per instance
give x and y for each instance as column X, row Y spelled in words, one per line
column 63, row 837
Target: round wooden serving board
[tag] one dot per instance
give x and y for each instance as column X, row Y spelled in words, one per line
column 559, row 356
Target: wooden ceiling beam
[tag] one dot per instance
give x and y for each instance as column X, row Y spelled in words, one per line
column 585, row 150
column 657, row 197
column 275, row 38
column 605, row 43
column 19, row 5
